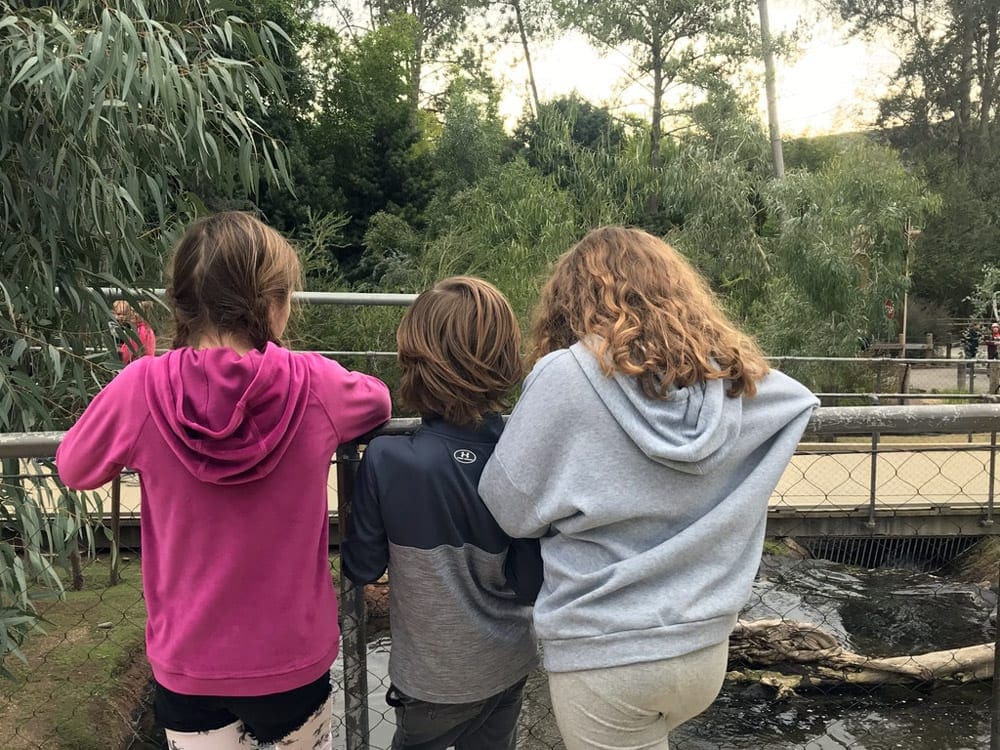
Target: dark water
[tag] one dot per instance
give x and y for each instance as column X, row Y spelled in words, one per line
column 885, row 612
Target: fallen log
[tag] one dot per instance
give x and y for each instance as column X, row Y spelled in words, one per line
column 788, row 655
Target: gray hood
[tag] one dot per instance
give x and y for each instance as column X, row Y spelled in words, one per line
column 699, row 428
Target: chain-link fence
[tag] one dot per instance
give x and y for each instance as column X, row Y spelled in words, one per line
column 865, row 628
column 870, row 624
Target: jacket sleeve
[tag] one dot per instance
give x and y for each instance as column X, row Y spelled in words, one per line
column 355, row 403
column 96, row 449
column 364, row 551
column 523, row 569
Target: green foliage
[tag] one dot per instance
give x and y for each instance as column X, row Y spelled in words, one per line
column 506, row 228
column 364, row 145
column 472, row 138
column 109, row 116
column 964, row 236
column 436, row 26
column 392, row 251
column 942, row 112
column 985, row 297
column 841, row 251
column 571, row 119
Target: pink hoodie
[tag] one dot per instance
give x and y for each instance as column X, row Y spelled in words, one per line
column 233, row 454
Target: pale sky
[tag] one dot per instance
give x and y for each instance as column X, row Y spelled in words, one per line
column 831, row 85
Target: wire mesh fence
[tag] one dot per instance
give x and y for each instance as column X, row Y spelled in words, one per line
column 870, row 625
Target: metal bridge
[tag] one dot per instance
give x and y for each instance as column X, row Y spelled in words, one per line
column 891, row 471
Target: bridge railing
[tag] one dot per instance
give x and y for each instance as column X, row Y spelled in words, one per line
column 832, row 490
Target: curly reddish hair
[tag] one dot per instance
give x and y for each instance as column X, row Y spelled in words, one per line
column 644, row 311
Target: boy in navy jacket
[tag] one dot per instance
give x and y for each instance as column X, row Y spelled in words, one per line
column 460, row 589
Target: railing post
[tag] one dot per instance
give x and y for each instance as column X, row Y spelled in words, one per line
column 352, row 608
column 872, row 487
column 991, row 489
column 972, row 384
column 995, row 695
column 116, row 530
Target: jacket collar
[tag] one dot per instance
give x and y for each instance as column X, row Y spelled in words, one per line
column 487, row 431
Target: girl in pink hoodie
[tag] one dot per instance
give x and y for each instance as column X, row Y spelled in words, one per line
column 232, row 436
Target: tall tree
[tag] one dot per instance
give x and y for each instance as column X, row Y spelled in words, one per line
column 111, row 114
column 675, row 43
column 942, row 110
column 945, row 89
column 439, row 25
column 363, row 146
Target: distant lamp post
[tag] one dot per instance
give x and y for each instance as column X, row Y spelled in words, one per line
column 910, row 233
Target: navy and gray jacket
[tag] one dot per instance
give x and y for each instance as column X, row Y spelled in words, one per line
column 460, row 589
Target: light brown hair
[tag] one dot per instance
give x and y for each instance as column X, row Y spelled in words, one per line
column 459, row 348
column 644, row 311
column 227, row 273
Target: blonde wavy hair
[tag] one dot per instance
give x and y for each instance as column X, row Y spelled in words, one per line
column 644, row 311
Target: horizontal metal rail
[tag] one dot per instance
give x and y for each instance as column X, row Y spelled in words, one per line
column 937, row 363
column 883, row 360
column 828, row 420
column 904, row 420
column 365, row 299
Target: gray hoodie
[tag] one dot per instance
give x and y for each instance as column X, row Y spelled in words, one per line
column 651, row 512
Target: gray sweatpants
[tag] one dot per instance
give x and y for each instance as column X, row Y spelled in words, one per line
column 634, row 707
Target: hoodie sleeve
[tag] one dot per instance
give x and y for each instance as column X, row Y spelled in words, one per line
column 529, row 446
column 364, row 550
column 355, row 403
column 96, row 449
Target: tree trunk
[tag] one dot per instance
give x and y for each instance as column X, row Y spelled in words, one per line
column 964, row 113
column 656, row 131
column 988, row 79
column 416, row 67
column 790, row 656
column 516, row 4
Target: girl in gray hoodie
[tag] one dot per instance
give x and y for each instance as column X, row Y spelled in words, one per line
column 643, row 451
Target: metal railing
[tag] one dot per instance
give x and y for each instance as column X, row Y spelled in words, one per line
column 873, row 421
column 829, row 421
column 363, row 299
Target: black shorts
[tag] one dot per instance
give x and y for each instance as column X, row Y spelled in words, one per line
column 267, row 718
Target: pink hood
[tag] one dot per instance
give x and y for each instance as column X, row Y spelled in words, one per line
column 228, row 419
